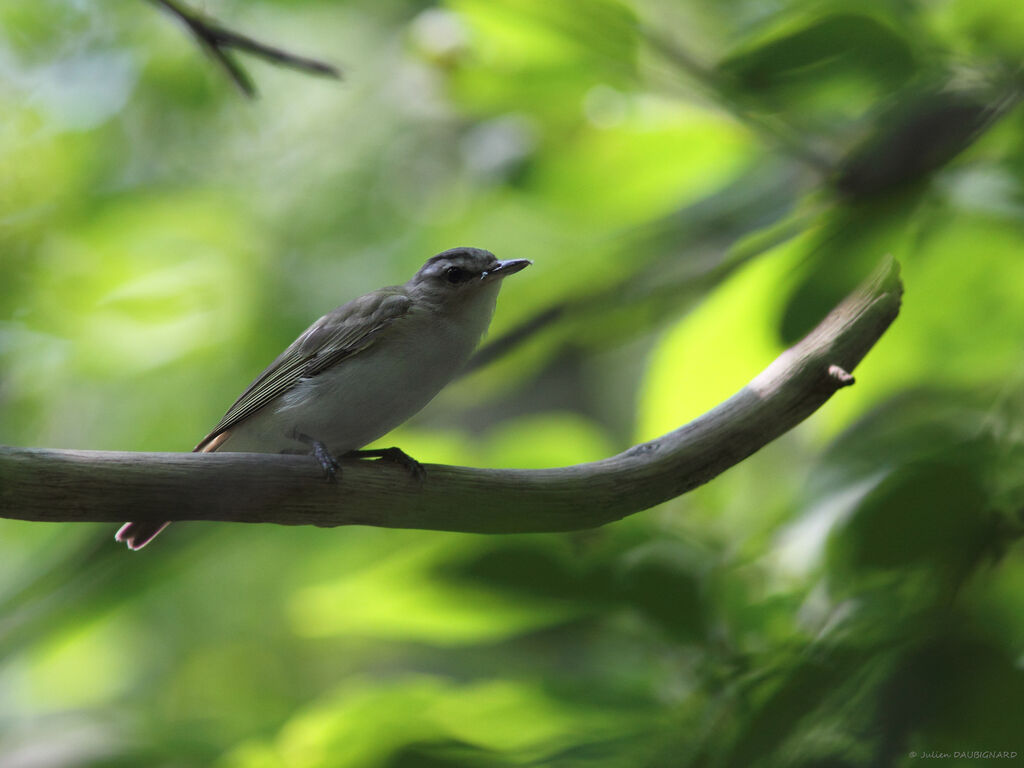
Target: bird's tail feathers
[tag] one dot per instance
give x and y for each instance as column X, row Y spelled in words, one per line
column 138, row 535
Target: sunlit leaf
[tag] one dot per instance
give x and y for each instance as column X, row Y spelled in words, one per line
column 547, row 440
column 542, row 56
column 717, row 348
column 85, row 666
column 657, row 158
column 962, row 295
column 366, row 721
column 397, row 598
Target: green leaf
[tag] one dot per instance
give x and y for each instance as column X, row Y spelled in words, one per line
column 399, row 597
column 718, row 347
column 930, row 513
column 542, row 56
column 818, row 55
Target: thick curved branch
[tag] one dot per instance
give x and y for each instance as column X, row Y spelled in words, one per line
column 102, row 486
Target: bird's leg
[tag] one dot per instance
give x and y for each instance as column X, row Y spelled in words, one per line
column 394, row 455
column 328, row 463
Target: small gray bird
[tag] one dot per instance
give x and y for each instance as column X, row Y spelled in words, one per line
column 363, row 369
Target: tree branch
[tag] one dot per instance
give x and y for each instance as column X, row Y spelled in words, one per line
column 105, row 486
column 218, row 41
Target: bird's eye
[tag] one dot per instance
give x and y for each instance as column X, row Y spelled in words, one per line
column 456, row 275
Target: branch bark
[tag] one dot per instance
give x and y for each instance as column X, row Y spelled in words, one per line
column 105, row 486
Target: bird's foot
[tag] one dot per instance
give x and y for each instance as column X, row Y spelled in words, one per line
column 330, row 466
column 328, row 463
column 395, row 456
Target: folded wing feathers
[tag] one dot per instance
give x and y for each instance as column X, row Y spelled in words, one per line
column 327, row 342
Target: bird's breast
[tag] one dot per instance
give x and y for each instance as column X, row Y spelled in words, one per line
column 367, row 395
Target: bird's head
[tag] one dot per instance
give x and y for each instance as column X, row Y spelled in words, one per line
column 463, row 276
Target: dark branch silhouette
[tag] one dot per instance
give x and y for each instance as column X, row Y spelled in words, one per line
column 219, row 41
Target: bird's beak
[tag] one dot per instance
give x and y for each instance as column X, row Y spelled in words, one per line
column 505, row 268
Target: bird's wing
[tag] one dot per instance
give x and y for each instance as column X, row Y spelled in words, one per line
column 336, row 336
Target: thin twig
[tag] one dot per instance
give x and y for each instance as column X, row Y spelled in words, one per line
column 219, row 41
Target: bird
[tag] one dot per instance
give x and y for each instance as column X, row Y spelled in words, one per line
column 362, row 369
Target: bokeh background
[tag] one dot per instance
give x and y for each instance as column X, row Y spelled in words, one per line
column 697, row 182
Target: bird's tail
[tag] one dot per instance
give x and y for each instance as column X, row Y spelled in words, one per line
column 138, row 535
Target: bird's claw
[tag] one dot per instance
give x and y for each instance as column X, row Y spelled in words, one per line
column 395, row 456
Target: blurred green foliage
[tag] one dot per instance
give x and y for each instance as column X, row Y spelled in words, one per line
column 697, row 183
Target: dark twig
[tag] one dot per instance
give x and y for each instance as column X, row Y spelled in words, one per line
column 517, row 336
column 219, row 42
